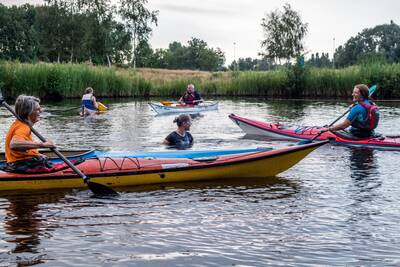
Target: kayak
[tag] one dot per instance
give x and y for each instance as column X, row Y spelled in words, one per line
column 101, row 107
column 127, row 171
column 79, row 155
column 298, row 133
column 168, row 107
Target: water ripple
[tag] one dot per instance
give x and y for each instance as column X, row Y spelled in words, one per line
column 337, row 207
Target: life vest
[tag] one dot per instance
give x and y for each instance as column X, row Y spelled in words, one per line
column 189, row 98
column 87, row 101
column 372, row 115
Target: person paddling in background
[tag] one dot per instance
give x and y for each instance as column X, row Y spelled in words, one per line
column 20, row 149
column 180, row 138
column 363, row 117
column 191, row 97
column 89, row 104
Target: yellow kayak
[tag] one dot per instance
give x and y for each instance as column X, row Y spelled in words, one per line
column 124, row 171
column 101, row 107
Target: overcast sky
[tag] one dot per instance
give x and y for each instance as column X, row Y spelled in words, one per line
column 221, row 23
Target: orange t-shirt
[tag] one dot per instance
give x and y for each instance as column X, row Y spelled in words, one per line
column 19, row 131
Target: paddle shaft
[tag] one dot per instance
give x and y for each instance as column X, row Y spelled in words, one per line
column 58, row 153
column 341, row 116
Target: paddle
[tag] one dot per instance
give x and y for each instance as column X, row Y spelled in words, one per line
column 97, row 189
column 371, row 91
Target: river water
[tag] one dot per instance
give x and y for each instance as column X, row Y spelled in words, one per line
column 337, row 207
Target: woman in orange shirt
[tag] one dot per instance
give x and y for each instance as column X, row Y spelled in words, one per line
column 21, row 150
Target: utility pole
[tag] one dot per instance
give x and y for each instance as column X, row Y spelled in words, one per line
column 333, row 54
column 234, row 56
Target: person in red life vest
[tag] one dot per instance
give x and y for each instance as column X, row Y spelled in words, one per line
column 191, row 97
column 363, row 117
column 21, row 150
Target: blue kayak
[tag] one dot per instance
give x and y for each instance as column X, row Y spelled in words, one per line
column 191, row 154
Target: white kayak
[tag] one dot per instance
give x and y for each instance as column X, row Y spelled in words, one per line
column 161, row 108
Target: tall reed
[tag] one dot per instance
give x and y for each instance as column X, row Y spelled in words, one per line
column 49, row 80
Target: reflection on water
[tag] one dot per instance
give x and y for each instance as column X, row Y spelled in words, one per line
column 255, row 189
column 337, row 207
column 287, row 110
column 364, row 170
column 365, row 192
column 25, row 224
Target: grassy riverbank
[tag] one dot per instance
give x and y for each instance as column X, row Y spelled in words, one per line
column 69, row 81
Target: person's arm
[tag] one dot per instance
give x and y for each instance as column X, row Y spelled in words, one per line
column 341, row 126
column 181, row 100
column 95, row 102
column 165, row 142
column 346, row 123
column 168, row 140
column 24, row 145
column 190, row 138
column 198, row 98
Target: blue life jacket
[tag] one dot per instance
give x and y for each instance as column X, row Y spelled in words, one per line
column 87, row 102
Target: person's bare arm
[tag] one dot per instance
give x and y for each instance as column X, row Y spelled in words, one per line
column 165, row 142
column 343, row 125
column 95, row 102
column 23, row 145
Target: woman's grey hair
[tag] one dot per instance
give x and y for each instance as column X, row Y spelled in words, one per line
column 89, row 90
column 25, row 105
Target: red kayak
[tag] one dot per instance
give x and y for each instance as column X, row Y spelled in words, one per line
column 298, row 133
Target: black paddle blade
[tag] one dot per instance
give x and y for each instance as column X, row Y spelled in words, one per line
column 101, row 190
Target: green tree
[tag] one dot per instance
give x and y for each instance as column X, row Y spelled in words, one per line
column 322, row 61
column 137, row 19
column 196, row 55
column 284, row 33
column 177, row 56
column 52, row 26
column 18, row 38
column 201, row 57
column 244, row 64
column 371, row 44
column 120, row 43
